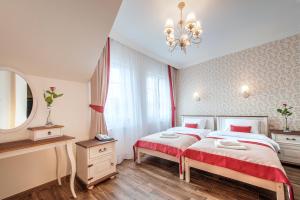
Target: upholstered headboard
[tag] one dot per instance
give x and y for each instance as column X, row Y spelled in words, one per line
column 263, row 122
column 210, row 120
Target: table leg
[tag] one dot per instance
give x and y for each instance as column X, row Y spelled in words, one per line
column 58, row 164
column 73, row 168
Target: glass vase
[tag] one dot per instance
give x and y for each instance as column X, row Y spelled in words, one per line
column 49, row 120
column 286, row 127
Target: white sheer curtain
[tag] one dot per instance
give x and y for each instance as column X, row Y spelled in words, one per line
column 138, row 101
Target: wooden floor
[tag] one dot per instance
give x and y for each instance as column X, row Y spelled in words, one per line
column 157, row 179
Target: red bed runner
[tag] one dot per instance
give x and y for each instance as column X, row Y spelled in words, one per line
column 253, row 169
column 163, row 148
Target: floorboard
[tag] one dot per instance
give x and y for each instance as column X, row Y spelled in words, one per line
column 157, row 179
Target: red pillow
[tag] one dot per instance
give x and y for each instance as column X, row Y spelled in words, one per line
column 191, row 125
column 244, row 129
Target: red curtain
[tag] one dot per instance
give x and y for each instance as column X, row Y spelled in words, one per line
column 172, row 74
column 99, row 90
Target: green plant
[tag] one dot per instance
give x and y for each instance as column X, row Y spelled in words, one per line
column 50, row 95
column 285, row 111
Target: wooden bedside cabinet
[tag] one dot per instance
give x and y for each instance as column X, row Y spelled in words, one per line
column 96, row 161
column 289, row 145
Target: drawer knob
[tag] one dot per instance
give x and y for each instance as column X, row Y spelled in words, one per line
column 90, row 178
column 49, row 132
column 102, row 150
column 112, row 164
column 291, row 139
column 91, row 165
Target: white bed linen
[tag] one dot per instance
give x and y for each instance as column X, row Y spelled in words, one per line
column 201, row 132
column 186, row 137
column 248, row 136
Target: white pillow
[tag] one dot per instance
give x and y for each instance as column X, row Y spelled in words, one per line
column 255, row 124
column 201, row 122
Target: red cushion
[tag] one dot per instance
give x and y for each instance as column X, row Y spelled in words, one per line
column 244, row 129
column 191, row 125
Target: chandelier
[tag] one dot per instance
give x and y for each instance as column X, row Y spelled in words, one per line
column 186, row 32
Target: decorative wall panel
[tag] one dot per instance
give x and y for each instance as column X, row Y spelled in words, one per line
column 272, row 72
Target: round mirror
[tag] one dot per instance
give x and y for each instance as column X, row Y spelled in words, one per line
column 16, row 100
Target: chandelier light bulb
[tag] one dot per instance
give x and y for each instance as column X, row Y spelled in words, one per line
column 169, row 23
column 171, row 37
column 191, row 18
column 198, row 25
column 169, row 27
column 184, row 37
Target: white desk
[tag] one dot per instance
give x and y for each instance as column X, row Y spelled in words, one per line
column 10, row 149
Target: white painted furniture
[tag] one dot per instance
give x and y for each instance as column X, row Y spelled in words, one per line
column 289, row 145
column 96, row 161
column 11, row 149
column 45, row 132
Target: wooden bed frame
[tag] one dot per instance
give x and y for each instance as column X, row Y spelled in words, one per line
column 221, row 171
column 140, row 151
column 266, row 184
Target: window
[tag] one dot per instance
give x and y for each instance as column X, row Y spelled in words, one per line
column 138, row 101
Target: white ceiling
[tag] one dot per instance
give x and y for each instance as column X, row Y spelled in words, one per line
column 229, row 26
column 55, row 38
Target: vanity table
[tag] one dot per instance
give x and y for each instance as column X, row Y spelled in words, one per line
column 11, row 149
column 18, row 105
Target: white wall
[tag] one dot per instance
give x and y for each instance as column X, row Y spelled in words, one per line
column 20, row 173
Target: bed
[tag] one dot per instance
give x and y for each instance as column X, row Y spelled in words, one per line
column 172, row 148
column 258, row 164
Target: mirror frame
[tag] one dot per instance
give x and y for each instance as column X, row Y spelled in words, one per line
column 34, row 105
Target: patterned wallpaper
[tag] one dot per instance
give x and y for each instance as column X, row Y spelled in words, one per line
column 272, row 72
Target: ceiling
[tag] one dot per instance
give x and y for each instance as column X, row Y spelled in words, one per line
column 229, row 26
column 55, row 38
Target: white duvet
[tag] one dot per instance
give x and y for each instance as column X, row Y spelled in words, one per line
column 252, row 137
column 200, row 132
column 185, row 137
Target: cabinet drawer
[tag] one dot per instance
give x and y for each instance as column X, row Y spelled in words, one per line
column 46, row 133
column 100, row 151
column 101, row 168
column 289, row 153
column 292, row 139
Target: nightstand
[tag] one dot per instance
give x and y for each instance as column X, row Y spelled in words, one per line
column 96, row 161
column 289, row 145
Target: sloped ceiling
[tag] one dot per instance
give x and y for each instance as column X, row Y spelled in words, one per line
column 55, row 38
column 229, row 26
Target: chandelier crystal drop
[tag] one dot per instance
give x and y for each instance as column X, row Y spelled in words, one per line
column 186, row 32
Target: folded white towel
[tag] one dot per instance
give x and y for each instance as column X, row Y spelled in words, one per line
column 170, row 136
column 230, row 142
column 168, row 133
column 238, row 147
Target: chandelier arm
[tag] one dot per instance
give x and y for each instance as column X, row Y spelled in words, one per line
column 172, row 49
column 196, row 41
